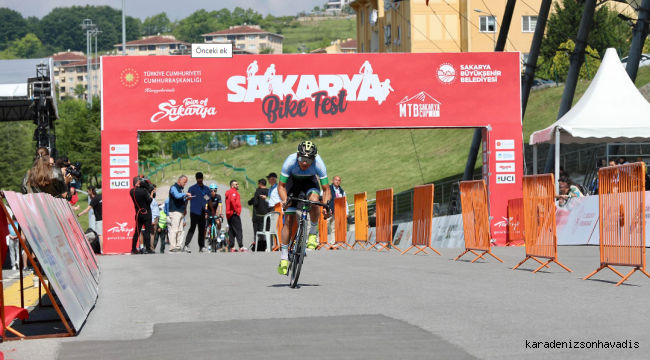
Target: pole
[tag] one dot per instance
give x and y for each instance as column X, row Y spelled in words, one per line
column 533, row 55
column 95, row 72
column 534, row 159
column 123, row 29
column 576, row 60
column 500, row 46
column 494, row 41
column 557, row 160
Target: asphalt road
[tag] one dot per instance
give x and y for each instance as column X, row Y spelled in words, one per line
column 353, row 305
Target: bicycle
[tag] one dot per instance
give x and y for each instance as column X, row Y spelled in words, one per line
column 298, row 244
column 213, row 233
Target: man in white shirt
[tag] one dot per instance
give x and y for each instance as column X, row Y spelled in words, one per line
column 273, row 197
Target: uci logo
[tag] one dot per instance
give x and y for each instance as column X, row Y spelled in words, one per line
column 506, row 179
column 119, row 184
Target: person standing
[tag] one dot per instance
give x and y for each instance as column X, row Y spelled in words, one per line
column 142, row 203
column 337, row 192
column 273, row 197
column 155, row 215
column 13, row 244
column 96, row 206
column 261, row 207
column 198, row 213
column 233, row 212
column 161, row 233
column 176, row 210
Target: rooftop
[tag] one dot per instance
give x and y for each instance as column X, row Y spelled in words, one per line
column 68, row 56
column 350, row 44
column 82, row 63
column 238, row 30
column 155, row 40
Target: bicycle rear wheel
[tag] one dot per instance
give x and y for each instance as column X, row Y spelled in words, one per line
column 299, row 253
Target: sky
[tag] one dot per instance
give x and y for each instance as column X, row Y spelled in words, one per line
column 175, row 9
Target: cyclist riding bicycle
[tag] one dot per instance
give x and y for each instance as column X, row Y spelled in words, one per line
column 214, row 205
column 301, row 173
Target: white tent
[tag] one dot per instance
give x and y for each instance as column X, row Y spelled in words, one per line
column 611, row 110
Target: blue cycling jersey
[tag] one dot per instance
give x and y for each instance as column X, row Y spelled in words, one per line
column 291, row 167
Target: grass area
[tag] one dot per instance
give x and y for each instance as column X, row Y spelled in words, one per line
column 368, row 160
column 83, row 204
column 312, row 33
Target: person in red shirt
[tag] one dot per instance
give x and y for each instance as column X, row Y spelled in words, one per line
column 233, row 212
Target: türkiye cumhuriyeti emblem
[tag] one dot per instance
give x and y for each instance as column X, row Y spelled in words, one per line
column 130, row 78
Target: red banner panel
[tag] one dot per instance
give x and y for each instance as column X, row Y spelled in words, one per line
column 284, row 92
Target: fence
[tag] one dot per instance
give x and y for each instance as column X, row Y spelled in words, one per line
column 476, row 222
column 622, row 218
column 539, row 219
column 515, row 222
column 384, row 209
column 340, row 223
column 422, row 219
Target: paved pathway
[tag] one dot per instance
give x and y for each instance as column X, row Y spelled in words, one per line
column 354, row 305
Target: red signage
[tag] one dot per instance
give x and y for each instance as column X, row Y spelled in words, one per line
column 283, row 92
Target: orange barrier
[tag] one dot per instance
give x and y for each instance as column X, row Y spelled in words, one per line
column 539, row 220
column 360, row 220
column 422, row 218
column 515, row 235
column 280, row 225
column 476, row 221
column 341, row 223
column 384, row 209
column 323, row 240
column 622, row 218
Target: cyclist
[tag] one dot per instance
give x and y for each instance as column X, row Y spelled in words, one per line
column 215, row 205
column 301, row 173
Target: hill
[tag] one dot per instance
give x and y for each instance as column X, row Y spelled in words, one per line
column 312, row 33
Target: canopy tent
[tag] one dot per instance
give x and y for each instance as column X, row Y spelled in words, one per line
column 611, row 110
column 16, row 101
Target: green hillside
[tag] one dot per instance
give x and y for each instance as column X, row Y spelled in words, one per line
column 368, row 160
column 312, row 33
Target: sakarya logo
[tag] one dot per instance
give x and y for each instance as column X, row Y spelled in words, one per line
column 130, row 78
column 121, row 228
column 446, row 73
column 329, row 93
column 189, row 107
column 420, row 105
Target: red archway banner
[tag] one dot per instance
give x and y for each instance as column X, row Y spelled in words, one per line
column 283, row 92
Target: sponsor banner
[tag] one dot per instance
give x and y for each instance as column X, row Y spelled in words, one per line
column 403, row 236
column 286, row 92
column 119, row 161
column 121, row 172
column 576, row 221
column 70, row 279
column 505, row 155
column 506, row 167
column 447, row 232
column 504, row 144
column 120, row 184
column 506, row 178
column 595, row 236
column 119, row 149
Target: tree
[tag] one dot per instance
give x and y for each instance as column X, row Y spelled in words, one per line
column 13, row 27
column 267, row 50
column 325, row 43
column 17, row 154
column 347, row 9
column 606, row 30
column 149, row 146
column 192, row 27
column 26, row 47
column 588, row 69
column 156, row 24
column 79, row 91
column 248, row 16
column 316, row 9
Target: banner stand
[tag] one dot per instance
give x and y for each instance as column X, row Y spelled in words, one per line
column 30, row 256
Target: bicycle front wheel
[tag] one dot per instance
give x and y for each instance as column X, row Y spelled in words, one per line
column 299, row 253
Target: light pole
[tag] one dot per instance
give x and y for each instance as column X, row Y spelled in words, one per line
column 96, row 32
column 494, row 18
column 123, row 29
column 88, row 26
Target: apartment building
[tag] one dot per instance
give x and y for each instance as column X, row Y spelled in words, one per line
column 441, row 26
column 247, row 37
column 71, row 74
column 335, row 6
column 65, row 77
column 348, row 46
column 153, row 45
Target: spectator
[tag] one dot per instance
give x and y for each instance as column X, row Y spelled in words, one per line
column 622, row 160
column 161, row 233
column 14, row 244
column 567, row 191
column 96, row 206
column 142, row 203
column 44, row 178
column 563, row 174
column 233, row 212
column 602, row 163
column 176, row 210
column 337, row 192
column 273, row 196
column 260, row 207
column 200, row 194
column 74, row 198
column 155, row 215
column 612, row 163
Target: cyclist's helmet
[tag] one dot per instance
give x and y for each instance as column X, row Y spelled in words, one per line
column 213, row 187
column 307, row 148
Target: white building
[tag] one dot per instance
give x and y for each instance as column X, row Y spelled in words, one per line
column 335, row 6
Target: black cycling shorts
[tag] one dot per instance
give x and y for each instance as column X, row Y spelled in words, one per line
column 296, row 186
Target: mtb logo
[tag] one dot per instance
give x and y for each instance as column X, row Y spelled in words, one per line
column 121, row 228
column 189, row 107
column 420, row 105
column 329, row 93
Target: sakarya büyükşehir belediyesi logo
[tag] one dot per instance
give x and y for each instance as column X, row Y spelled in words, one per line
column 129, row 78
column 446, row 73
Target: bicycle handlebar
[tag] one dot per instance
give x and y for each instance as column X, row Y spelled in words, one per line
column 308, row 201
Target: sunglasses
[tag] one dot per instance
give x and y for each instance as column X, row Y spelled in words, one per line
column 305, row 159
